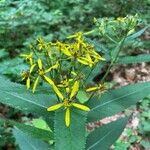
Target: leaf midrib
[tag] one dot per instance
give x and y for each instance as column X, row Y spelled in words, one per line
column 32, row 146
column 115, row 99
column 17, row 96
column 100, row 139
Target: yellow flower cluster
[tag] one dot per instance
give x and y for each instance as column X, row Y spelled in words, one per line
column 47, row 61
column 41, row 73
column 80, row 50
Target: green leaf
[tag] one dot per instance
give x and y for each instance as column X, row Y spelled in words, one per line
column 135, row 35
column 122, row 146
column 3, row 53
column 72, row 137
column 134, row 59
column 31, row 131
column 82, row 96
column 103, row 137
column 115, row 101
column 116, row 50
column 41, row 124
column 12, row 66
column 145, row 144
column 16, row 95
column 26, row 142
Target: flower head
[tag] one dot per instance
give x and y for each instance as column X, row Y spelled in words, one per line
column 80, row 50
column 28, row 57
column 41, row 43
column 26, row 76
column 68, row 102
column 42, row 73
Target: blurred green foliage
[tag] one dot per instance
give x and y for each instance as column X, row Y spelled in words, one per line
column 22, row 21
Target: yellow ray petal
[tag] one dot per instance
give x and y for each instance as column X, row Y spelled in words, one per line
column 82, row 107
column 48, row 80
column 32, row 67
column 24, row 75
column 66, row 51
column 40, row 63
column 35, row 84
column 91, row 89
column 67, row 117
column 57, row 92
column 89, row 32
column 67, row 90
column 48, row 70
column 53, row 67
column 31, row 61
column 73, row 73
column 101, row 58
column 75, row 88
column 61, row 85
column 88, row 57
column 28, row 83
column 72, row 36
column 84, row 62
column 96, row 55
column 54, row 107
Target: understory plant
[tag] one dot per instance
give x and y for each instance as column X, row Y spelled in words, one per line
column 62, row 90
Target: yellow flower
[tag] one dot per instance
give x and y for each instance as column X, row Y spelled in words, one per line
column 99, row 87
column 67, row 102
column 82, row 51
column 63, row 48
column 121, row 19
column 85, row 61
column 95, row 56
column 26, row 76
column 94, row 20
column 28, row 57
column 41, row 44
column 42, row 73
column 73, row 90
column 66, row 81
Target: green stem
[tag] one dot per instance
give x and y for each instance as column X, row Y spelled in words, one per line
column 113, row 61
column 48, row 62
column 110, row 39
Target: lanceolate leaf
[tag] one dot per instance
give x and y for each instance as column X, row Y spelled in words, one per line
column 17, row 96
column 135, row 35
column 31, row 131
column 117, row 100
column 26, row 142
column 134, row 59
column 72, row 137
column 103, row 137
